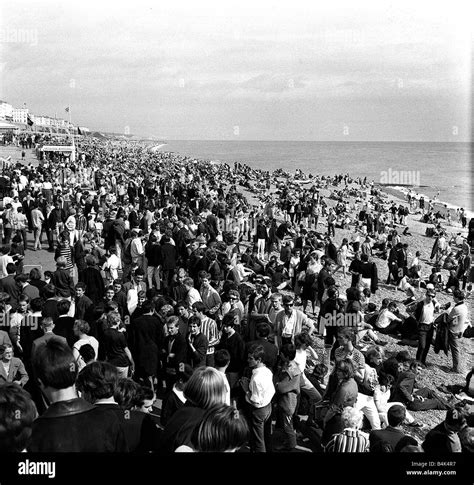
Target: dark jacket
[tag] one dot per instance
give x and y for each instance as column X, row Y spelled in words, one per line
column 141, row 434
column 438, row 441
column 389, row 435
column 146, row 341
column 95, row 288
column 403, row 389
column 442, row 334
column 63, row 282
column 64, row 327
column 177, row 344
column 180, row 427
column 77, row 426
column 197, row 358
column 9, row 285
column 168, row 256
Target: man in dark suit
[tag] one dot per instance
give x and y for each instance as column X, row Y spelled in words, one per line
column 10, row 286
column 47, row 326
column 393, row 433
column 64, row 324
column 146, row 342
column 50, row 307
column 196, row 344
column 271, row 350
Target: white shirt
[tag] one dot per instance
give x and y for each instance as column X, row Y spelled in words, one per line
column 261, row 387
column 385, row 318
column 427, row 314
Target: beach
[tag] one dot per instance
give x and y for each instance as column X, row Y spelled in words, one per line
column 436, row 374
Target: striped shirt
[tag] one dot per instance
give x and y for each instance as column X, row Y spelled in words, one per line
column 209, row 329
column 349, row 441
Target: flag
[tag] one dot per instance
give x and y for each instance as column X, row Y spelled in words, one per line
column 29, row 120
column 79, row 131
column 67, row 109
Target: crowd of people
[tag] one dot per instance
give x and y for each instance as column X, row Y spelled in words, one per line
column 170, row 282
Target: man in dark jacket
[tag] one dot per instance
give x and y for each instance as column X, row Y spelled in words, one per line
column 196, row 344
column 271, row 350
column 146, row 341
column 95, row 430
column 444, row 439
column 174, row 351
column 393, row 433
column 10, row 286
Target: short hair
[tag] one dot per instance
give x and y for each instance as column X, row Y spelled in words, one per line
column 147, row 393
column 194, row 321
column 172, row 320
column 63, row 306
column 97, row 380
column 11, row 268
column 351, row 417
column 204, row 275
column 21, row 278
column 288, row 352
column 55, row 364
column 407, row 440
column 82, row 326
column 276, row 296
column 49, row 291
column 90, row 260
column 459, row 294
column 221, row 357
column 36, row 304
column 206, row 388
column 302, row 338
column 148, row 306
column 47, row 322
column 139, row 272
column 223, row 428
column 364, row 257
column 61, row 262
column 257, row 352
column 87, row 353
column 199, row 306
column 17, row 413
column 128, row 393
column 35, row 274
column 80, row 285
column 346, row 366
column 113, row 319
column 188, row 281
column 353, row 293
column 396, row 414
column 263, row 329
column 234, row 293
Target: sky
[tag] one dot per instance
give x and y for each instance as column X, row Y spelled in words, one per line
column 245, row 70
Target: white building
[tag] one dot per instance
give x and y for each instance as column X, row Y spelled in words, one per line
column 6, row 111
column 20, row 115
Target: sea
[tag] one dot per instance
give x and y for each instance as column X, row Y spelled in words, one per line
column 441, row 170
